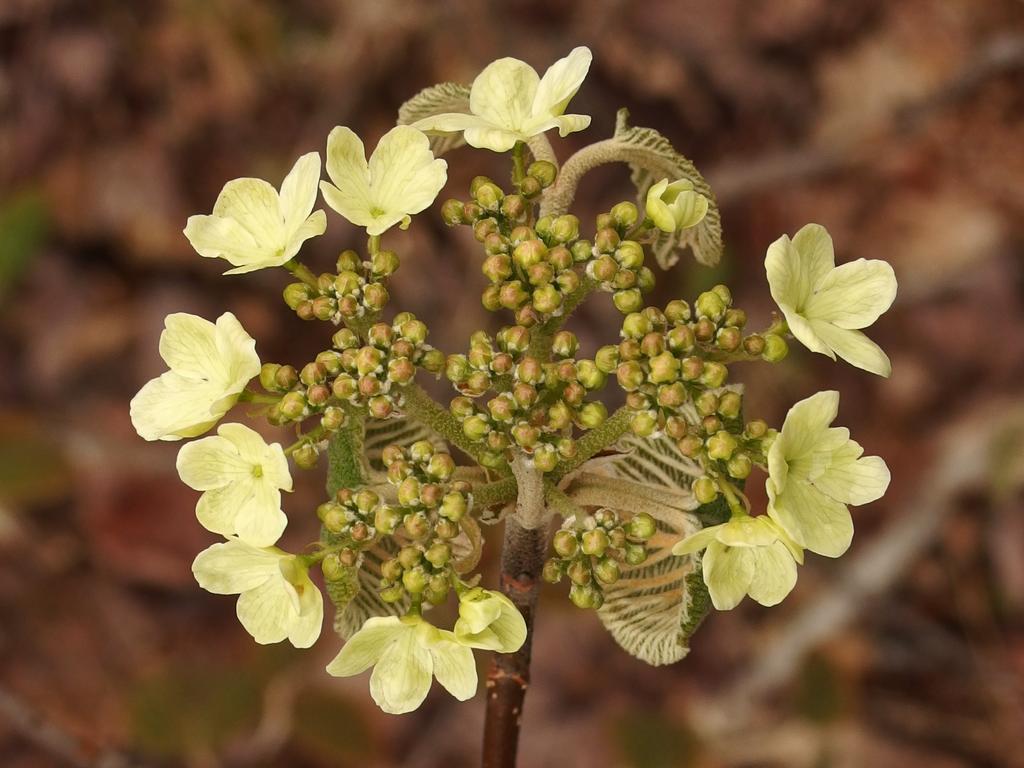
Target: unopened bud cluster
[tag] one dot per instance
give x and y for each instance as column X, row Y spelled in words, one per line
column 591, row 553
column 538, row 405
column 356, row 289
column 618, row 262
column 352, row 373
column 667, row 359
column 430, row 504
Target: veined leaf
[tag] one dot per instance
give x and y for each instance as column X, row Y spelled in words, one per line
column 437, row 100
column 356, row 598
column 380, row 433
column 651, row 158
column 656, row 606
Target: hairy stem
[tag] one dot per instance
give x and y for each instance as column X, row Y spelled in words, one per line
column 426, row 410
column 595, row 441
column 522, row 559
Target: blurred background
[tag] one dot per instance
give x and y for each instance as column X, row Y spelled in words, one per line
column 899, row 126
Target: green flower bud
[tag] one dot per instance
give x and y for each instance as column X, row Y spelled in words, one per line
column 664, row 369
column 514, row 207
column 630, row 254
column 606, row 240
column 623, row 280
column 756, row 429
column 491, row 298
column 417, row 525
column 607, row 359
column 706, row 403
column 560, row 258
column 471, row 211
column 409, row 557
column 392, row 594
column 735, row 317
column 677, row 311
column 415, row 581
column 384, row 263
column 438, row 555
column 586, row 596
column 344, row 338
column 672, row 396
column 740, row 466
column 721, row 445
column 711, row 424
column 476, row 427
column 564, row 543
column 375, row 297
column 644, row 424
column 543, row 171
column 582, row 250
column 705, row 490
column 754, row 345
column 709, row 304
column 313, row 373
column 409, row 492
column 380, row 407
column 293, row 406
column 446, row 529
column 642, row 526
column 565, row 344
column 545, row 458
column 553, row 571
column 579, row 573
column 453, row 506
column 547, row 299
column 386, row 519
column 635, row 554
column 630, row 375
column 636, row 325
column 775, row 348
column 345, row 387
column 680, row 339
column 488, row 195
column 624, row 215
column 730, row 404
column 401, row 371
column 592, row 415
column 437, row 590
column 512, row 295
column 607, row 571
column 452, row 212
column 318, row 395
column 306, row 456
column 628, row 301
column 296, row 293
column 530, row 187
column 268, row 377
column 714, row 375
column 565, row 229
column 729, row 338
column 391, row 569
column 690, row 446
column 724, row 294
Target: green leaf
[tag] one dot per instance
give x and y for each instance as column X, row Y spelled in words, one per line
column 437, row 100
column 654, row 609
column 651, row 158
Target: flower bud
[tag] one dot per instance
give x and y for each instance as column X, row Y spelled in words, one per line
column 452, row 212
column 375, row 297
column 705, row 490
column 547, row 299
column 293, row 406
column 606, row 240
column 704, row 329
column 586, row 596
column 476, row 427
column 318, row 395
column 565, row 344
column 740, row 466
column 553, row 571
column 414, row 581
column 512, row 296
column 730, row 404
column 709, row 304
column 724, row 294
column 446, row 529
column 296, row 293
column 721, row 445
column 306, row 456
column 579, row 573
column 636, row 325
column 530, row 187
column 607, row 359
column 438, row 555
column 643, row 424
column 313, row 373
column 756, row 429
column 690, row 446
column 664, row 369
column 453, row 506
column 380, row 407
column 635, row 554
column 514, row 207
column 384, row 263
column 386, row 519
column 488, row 195
column 630, row 375
column 672, row 396
column 607, row 571
column 624, row 215
column 628, row 301
column 268, row 377
column 714, row 374
column 543, row 171
column 728, row 338
column 437, row 589
column 345, row 387
column 592, row 415
column 392, row 569
column 630, row 254
column 754, row 345
column 775, row 348
column 677, row 311
column 641, row 526
column 545, row 458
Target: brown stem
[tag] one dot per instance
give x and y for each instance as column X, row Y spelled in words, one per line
column 522, row 559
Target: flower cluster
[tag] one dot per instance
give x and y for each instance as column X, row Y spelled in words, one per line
column 537, row 404
column 526, row 401
column 591, row 553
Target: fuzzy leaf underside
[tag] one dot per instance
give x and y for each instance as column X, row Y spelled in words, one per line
column 651, row 158
column 654, row 609
column 437, row 100
column 401, row 431
column 357, row 596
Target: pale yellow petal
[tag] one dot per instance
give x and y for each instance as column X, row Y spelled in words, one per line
column 454, row 667
column 172, row 407
column 215, row 237
column 854, row 479
column 813, row 520
column 254, row 204
column 346, row 166
column 774, row 574
column 450, row 122
column 234, row 567
column 188, row 345
column 503, row 93
column 561, row 82
column 854, row 347
column 493, row 138
column 746, row 531
column 806, row 424
column 853, row 295
column 817, row 257
column 267, row 611
column 305, row 628
column 728, row 572
column 401, row 678
column 212, row 462
column 405, row 177
column 298, row 192
column 238, row 360
column 697, row 541
column 365, row 647
column 689, row 209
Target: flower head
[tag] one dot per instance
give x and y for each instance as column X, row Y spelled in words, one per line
column 814, row 471
column 745, row 556
column 277, row 599
column 254, row 226
column 401, row 178
column 406, row 653
column 209, row 367
column 489, row 620
column 825, row 305
column 675, row 206
column 509, row 102
column 241, row 478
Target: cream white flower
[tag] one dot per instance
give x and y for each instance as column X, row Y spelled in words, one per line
column 675, row 206
column 241, row 478
column 745, row 556
column 825, row 305
column 401, row 178
column 209, row 367
column 276, row 597
column 814, row 471
column 489, row 620
column 510, row 102
column 253, row 226
column 405, row 654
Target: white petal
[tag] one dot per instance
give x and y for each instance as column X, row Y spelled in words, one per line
column 267, row 611
column 493, row 138
column 234, row 567
column 689, row 209
column 298, row 192
column 774, row 574
column 804, row 332
column 454, row 667
column 172, row 407
column 365, row 647
column 697, row 541
column 212, row 462
column 503, row 93
column 817, row 255
column 314, row 226
column 346, row 165
column 565, row 124
column 728, row 572
column 238, row 360
column 852, row 478
column 215, row 237
column 806, row 425
column 746, row 531
column 561, row 82
column 254, row 204
column 449, row 122
column 853, row 295
column 401, row 678
column 188, row 345
column 814, row 520
column 854, row 347
column 305, row 629
column 404, row 175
